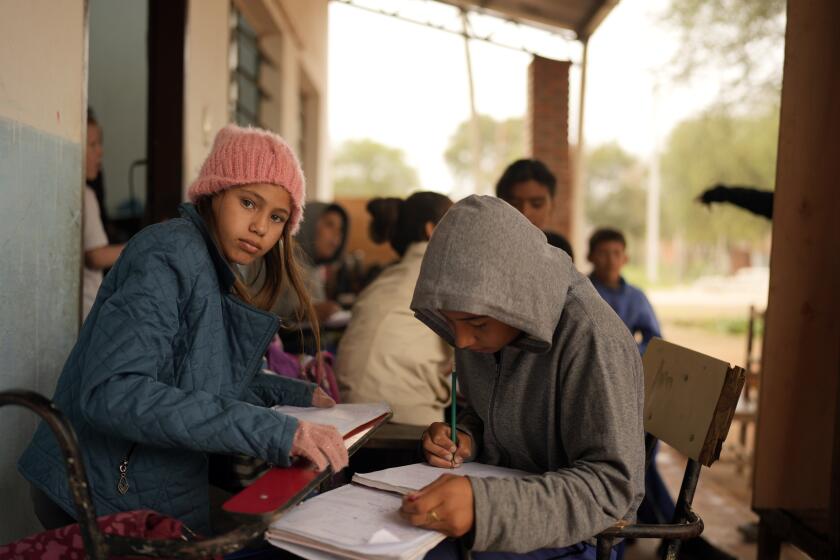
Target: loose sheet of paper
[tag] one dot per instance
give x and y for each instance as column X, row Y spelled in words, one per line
column 414, row 477
column 345, row 417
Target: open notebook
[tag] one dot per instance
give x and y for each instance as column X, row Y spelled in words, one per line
column 410, row 478
column 345, row 417
column 358, row 521
column 353, row 522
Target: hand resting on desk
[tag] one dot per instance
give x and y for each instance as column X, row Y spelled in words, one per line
column 323, row 445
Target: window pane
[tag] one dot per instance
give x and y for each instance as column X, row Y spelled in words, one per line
column 244, row 119
column 249, row 56
column 248, row 94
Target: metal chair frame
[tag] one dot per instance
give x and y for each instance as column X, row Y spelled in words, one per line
column 685, row 525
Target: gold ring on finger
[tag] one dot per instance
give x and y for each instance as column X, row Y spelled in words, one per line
column 433, row 516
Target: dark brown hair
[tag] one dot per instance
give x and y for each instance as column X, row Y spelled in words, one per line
column 603, row 235
column 383, row 213
column 407, row 224
column 279, row 263
column 521, row 171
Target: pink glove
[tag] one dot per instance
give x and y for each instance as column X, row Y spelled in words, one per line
column 321, row 444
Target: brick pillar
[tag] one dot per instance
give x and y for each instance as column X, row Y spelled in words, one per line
column 548, row 131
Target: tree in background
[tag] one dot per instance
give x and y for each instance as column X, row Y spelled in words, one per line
column 501, row 143
column 740, row 45
column 365, row 168
column 743, row 37
column 616, row 194
column 717, row 148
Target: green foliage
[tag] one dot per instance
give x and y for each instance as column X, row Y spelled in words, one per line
column 365, row 168
column 616, row 196
column 717, row 148
column 502, row 142
column 744, row 38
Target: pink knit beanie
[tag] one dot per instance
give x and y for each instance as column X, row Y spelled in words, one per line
column 244, row 156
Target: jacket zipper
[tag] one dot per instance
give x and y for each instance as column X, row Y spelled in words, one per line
column 492, row 404
column 122, row 484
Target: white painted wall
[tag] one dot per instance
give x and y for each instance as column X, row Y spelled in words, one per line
column 306, row 43
column 43, row 65
column 43, row 51
column 205, row 81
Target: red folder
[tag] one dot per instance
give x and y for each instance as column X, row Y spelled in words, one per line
column 283, row 487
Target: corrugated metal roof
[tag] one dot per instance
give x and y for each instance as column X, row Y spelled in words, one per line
column 581, row 16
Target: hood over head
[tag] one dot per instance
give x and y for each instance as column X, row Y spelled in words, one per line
column 309, row 227
column 486, row 258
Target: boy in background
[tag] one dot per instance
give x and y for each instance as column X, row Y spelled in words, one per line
column 608, row 255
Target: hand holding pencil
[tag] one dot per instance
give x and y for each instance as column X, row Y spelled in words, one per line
column 440, row 449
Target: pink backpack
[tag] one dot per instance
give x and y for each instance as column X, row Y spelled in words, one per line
column 306, row 369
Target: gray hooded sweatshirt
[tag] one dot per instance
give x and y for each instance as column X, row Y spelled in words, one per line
column 563, row 401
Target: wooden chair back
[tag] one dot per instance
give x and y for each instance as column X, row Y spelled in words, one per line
column 690, row 399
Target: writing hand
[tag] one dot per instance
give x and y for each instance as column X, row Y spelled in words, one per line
column 445, row 505
column 440, row 450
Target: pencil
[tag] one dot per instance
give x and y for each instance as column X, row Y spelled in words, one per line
column 452, row 416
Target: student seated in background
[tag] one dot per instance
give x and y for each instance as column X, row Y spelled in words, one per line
column 323, row 234
column 386, row 354
column 608, row 255
column 99, row 254
column 529, row 186
column 553, row 385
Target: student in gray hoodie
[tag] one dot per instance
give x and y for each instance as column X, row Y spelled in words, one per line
column 553, row 383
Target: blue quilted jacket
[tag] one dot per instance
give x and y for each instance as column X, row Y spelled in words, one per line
column 166, row 370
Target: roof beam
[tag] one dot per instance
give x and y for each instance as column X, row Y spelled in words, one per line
column 594, row 18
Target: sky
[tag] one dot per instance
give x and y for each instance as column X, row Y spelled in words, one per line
column 405, row 85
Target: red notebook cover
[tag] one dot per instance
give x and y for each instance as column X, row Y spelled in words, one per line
column 276, row 487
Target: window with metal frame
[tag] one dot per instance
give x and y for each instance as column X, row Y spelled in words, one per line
column 246, row 61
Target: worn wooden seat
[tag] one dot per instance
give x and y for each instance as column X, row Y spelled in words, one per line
column 690, row 400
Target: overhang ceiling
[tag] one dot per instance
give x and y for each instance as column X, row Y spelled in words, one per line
column 580, row 16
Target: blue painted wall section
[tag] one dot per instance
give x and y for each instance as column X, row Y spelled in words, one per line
column 40, row 252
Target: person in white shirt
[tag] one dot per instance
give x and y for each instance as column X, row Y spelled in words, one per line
column 386, row 354
column 98, row 253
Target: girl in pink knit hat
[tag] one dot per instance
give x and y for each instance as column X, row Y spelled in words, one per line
column 167, row 368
